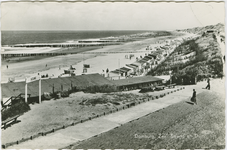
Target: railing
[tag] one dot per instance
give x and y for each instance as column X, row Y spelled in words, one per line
column 5, row 105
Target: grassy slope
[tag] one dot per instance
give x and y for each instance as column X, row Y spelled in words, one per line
column 56, row 113
column 208, row 59
column 178, row 126
column 199, row 30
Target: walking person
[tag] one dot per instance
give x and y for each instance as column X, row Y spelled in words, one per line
column 7, row 66
column 193, row 99
column 103, row 73
column 208, row 84
column 107, row 72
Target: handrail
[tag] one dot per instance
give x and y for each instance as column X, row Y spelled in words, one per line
column 8, row 100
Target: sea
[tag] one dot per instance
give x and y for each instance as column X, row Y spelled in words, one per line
column 23, row 37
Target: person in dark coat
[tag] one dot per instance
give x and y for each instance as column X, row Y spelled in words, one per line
column 208, row 84
column 107, row 72
column 193, row 99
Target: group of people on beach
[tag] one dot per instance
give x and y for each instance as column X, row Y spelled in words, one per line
column 107, row 72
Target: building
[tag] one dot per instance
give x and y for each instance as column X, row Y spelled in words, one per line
column 53, row 85
column 211, row 31
column 137, row 82
column 124, row 71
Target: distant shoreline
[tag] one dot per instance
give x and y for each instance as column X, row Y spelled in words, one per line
column 62, row 50
column 73, row 50
column 56, row 64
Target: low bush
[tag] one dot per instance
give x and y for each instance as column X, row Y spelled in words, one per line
column 15, row 109
column 60, row 94
column 93, row 102
column 101, row 89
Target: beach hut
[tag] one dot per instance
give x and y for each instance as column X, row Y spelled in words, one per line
column 124, row 71
column 133, row 68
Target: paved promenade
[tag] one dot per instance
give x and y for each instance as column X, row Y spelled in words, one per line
column 71, row 135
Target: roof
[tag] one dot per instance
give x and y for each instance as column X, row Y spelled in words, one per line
column 152, row 55
column 136, row 80
column 148, row 57
column 56, row 84
column 131, row 66
column 164, row 47
column 142, row 61
column 145, row 59
column 121, row 70
column 124, row 68
column 116, row 72
column 136, row 64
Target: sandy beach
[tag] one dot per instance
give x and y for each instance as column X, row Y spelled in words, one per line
column 98, row 60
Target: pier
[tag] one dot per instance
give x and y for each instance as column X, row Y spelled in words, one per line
column 80, row 43
column 48, row 49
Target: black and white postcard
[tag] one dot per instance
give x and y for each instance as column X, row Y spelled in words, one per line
column 118, row 75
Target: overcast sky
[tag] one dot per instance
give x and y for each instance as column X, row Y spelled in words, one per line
column 109, row 15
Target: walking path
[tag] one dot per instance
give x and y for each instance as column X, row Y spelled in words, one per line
column 71, row 135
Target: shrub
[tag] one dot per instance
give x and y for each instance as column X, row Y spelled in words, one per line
column 60, row 94
column 15, row 109
column 65, row 94
column 95, row 101
column 101, row 89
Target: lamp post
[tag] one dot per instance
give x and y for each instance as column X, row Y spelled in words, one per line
column 26, row 90
column 170, row 72
column 119, row 68
column 40, row 89
column 30, row 79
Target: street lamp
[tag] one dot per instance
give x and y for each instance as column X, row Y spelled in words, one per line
column 119, row 68
column 170, row 72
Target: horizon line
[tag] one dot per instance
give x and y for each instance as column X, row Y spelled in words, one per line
column 86, row 30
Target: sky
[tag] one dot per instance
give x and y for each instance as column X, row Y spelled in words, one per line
column 109, row 15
